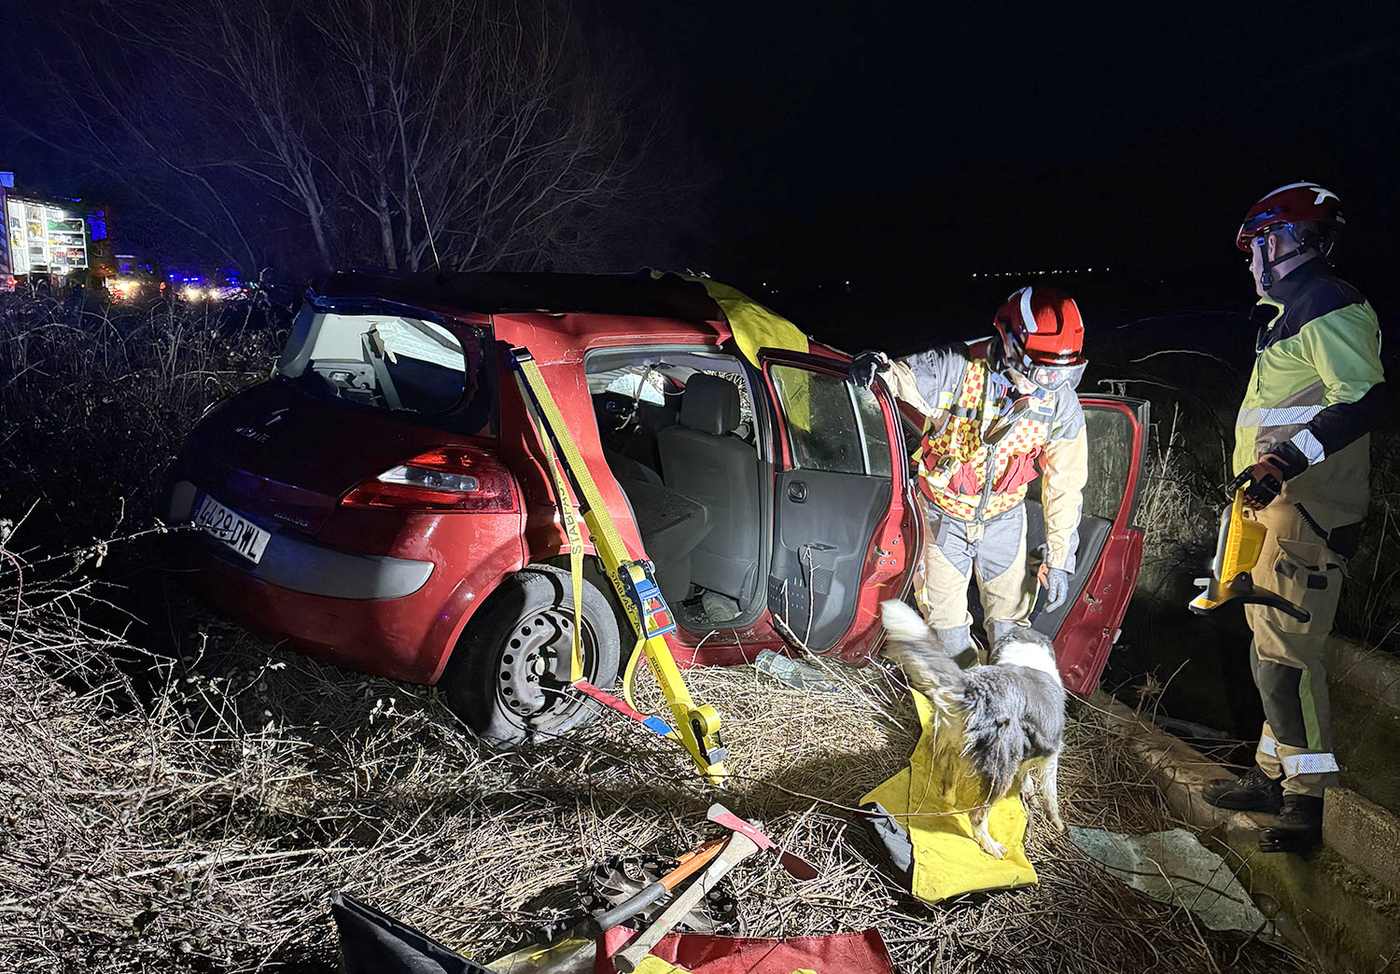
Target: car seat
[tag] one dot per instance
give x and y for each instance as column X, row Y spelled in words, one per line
column 671, row 525
column 703, row 461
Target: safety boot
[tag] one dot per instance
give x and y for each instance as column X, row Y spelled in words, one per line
column 1299, row 827
column 1253, row 791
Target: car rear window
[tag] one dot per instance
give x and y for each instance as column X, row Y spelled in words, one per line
column 395, row 361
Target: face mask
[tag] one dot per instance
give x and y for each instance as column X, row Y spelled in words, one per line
column 1028, row 378
column 1022, row 384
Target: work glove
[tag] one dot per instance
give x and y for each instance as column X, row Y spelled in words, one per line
column 1264, row 481
column 1055, row 581
column 864, row 367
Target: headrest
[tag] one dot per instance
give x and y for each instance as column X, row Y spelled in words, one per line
column 710, row 404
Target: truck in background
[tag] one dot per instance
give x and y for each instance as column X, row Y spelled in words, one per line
column 50, row 239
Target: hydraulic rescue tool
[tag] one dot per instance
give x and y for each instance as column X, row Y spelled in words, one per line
column 695, row 726
column 1237, row 550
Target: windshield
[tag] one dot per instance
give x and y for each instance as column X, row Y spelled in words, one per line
column 392, row 361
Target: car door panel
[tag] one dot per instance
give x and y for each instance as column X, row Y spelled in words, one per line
column 840, row 519
column 1093, row 537
column 1110, row 544
column 819, row 558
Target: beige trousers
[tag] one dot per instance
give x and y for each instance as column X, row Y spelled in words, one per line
column 995, row 552
column 1288, row 657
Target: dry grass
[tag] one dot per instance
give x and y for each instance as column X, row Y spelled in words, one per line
column 95, row 399
column 1178, row 508
column 197, row 813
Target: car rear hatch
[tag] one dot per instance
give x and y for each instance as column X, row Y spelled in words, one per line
column 359, row 389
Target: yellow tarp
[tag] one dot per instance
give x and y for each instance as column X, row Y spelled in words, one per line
column 572, row 955
column 755, row 327
column 651, row 964
column 925, row 798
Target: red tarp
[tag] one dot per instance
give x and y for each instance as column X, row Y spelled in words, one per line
column 838, row 953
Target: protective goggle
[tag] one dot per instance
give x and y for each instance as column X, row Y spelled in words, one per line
column 1053, row 377
column 1047, row 377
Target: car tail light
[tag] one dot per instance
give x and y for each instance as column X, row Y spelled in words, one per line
column 446, row 479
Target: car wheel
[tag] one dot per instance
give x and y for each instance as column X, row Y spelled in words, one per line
column 509, row 674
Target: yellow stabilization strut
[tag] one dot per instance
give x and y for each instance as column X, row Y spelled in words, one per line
column 695, row 726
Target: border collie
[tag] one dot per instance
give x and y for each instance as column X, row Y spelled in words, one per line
column 1009, row 715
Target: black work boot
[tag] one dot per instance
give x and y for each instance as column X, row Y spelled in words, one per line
column 1299, row 826
column 1253, row 791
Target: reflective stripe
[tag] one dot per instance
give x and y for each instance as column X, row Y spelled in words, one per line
column 1269, row 746
column 1294, row 764
column 1027, row 316
column 1278, row 416
column 1306, row 442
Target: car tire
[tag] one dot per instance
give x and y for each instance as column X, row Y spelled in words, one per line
column 508, row 674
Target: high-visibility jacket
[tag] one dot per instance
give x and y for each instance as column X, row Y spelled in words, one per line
column 1318, row 384
column 966, row 404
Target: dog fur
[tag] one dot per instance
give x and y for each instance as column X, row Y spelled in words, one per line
column 1009, row 715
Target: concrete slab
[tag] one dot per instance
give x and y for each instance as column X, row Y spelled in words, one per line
column 1323, row 904
column 1364, row 833
column 1365, row 670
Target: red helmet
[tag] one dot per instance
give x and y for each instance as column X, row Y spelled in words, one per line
column 1294, row 203
column 1042, row 335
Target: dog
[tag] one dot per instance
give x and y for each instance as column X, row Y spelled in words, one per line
column 1008, row 715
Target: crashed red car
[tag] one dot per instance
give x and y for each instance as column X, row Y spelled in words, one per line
column 381, row 500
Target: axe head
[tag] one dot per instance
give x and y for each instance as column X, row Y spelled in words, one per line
column 799, row 868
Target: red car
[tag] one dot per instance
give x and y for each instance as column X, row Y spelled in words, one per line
column 381, row 500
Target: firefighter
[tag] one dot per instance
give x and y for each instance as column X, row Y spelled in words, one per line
column 1302, row 434
column 999, row 412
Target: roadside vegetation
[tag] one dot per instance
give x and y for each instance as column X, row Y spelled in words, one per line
column 176, row 793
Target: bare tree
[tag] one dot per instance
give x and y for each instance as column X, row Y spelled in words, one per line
column 471, row 133
column 475, row 129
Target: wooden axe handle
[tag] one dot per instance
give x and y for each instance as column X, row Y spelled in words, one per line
column 800, row 868
column 736, row 850
column 691, row 864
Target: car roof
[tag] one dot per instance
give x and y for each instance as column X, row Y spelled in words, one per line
column 490, row 292
column 645, row 303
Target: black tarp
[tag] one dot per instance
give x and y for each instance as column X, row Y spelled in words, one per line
column 372, row 943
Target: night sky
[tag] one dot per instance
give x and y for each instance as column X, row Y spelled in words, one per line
column 880, row 139
column 895, row 134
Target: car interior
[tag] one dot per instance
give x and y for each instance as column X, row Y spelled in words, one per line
column 678, row 433
column 386, row 361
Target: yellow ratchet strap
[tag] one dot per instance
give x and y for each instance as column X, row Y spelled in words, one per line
column 695, row 726
column 568, row 513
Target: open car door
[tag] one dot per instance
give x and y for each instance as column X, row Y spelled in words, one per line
column 844, row 525
column 1087, row 625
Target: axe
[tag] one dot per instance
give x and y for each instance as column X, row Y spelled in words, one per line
column 593, row 925
column 744, row 840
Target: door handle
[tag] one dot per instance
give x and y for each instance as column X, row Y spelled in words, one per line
column 797, row 492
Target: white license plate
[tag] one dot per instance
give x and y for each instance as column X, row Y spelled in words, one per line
column 232, row 528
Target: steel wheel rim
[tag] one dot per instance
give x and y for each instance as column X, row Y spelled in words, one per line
column 532, row 669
